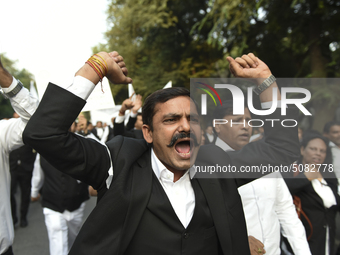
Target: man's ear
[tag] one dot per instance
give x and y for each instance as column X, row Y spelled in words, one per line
column 147, row 133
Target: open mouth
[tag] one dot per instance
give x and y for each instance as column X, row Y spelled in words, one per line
column 316, row 160
column 184, row 147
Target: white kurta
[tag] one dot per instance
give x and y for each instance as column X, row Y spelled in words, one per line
column 10, row 138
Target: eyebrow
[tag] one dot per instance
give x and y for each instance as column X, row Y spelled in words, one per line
column 177, row 115
column 194, row 115
column 172, row 115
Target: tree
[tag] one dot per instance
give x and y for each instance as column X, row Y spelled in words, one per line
column 176, row 40
column 158, row 42
column 23, row 75
column 296, row 38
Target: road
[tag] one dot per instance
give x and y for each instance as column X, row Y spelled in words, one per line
column 33, row 239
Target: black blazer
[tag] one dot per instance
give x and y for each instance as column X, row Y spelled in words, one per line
column 129, row 131
column 312, row 205
column 112, row 223
column 207, row 139
column 22, row 160
column 61, row 192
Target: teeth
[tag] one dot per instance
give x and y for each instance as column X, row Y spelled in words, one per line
column 185, row 153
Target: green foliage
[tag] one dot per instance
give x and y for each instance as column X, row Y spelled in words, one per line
column 296, row 38
column 6, row 110
column 159, row 43
column 164, row 40
column 23, row 75
column 291, row 31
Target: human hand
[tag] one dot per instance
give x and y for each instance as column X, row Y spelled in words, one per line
column 5, row 77
column 82, row 123
column 137, row 104
column 92, row 192
column 256, row 247
column 35, row 199
column 1, row 66
column 249, row 66
column 126, row 105
column 116, row 70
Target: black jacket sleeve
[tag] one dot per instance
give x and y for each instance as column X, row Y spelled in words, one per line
column 47, row 132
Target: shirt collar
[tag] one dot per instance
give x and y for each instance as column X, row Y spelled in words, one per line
column 158, row 167
column 223, row 145
column 331, row 144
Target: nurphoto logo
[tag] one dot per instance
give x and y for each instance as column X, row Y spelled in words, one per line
column 300, row 97
column 238, row 99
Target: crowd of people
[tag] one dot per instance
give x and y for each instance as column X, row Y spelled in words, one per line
column 150, row 200
column 277, row 198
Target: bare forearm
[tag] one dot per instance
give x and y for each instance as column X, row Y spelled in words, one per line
column 5, row 78
column 87, row 72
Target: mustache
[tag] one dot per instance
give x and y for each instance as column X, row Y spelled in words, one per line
column 183, row 135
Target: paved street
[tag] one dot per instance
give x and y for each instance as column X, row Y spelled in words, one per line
column 33, row 239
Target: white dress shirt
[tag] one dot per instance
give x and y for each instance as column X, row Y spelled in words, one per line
column 336, row 161
column 267, row 205
column 326, row 194
column 38, row 177
column 100, row 132
column 10, row 138
column 105, row 135
column 210, row 137
column 180, row 193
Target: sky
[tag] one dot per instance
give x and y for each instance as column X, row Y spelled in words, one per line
column 51, row 39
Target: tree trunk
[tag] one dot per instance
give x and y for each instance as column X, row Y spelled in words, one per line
column 318, row 62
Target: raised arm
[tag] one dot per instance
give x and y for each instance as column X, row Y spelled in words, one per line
column 22, row 102
column 250, row 66
column 47, row 132
column 128, row 104
column 137, row 104
column 280, row 144
column 119, row 125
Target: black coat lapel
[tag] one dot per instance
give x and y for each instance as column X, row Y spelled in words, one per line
column 213, row 193
column 140, row 194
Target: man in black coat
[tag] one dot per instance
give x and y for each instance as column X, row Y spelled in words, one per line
column 148, row 200
column 209, row 135
column 63, row 202
column 21, row 163
column 134, row 126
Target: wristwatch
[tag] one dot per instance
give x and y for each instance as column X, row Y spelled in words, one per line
column 264, row 85
column 13, row 92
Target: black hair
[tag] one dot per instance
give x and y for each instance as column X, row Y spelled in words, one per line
column 160, row 96
column 223, row 110
column 328, row 126
column 316, row 135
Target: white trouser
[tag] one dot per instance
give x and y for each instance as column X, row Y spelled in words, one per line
column 62, row 229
